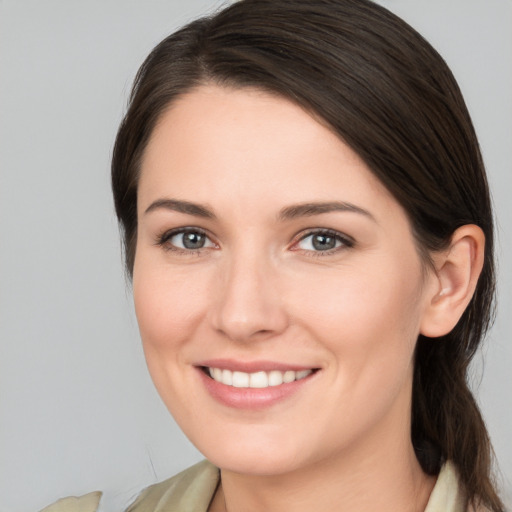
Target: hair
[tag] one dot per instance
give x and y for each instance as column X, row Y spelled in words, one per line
column 389, row 95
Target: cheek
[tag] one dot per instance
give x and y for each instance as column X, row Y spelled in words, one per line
column 168, row 305
column 370, row 326
column 368, row 319
column 360, row 299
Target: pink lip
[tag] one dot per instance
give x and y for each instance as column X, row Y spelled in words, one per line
column 251, row 398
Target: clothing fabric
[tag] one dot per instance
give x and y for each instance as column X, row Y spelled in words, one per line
column 87, row 503
column 193, row 489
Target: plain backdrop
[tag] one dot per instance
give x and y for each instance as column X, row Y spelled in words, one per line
column 78, row 410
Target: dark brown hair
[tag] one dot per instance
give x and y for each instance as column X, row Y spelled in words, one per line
column 389, row 95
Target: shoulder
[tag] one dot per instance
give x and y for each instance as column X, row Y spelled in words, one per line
column 87, row 503
column 192, row 489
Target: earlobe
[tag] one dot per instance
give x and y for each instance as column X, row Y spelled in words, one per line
column 457, row 270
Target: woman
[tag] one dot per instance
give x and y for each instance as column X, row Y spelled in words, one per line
column 307, row 223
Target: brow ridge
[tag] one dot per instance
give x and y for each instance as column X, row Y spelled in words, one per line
column 317, row 208
column 180, row 206
column 288, row 213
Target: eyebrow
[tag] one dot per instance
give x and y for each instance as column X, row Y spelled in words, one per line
column 182, row 207
column 310, row 209
column 287, row 213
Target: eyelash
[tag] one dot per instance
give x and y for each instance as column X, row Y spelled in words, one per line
column 345, row 241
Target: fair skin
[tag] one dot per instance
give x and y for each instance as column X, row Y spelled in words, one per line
column 265, row 245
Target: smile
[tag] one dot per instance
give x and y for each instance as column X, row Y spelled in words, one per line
column 260, row 379
column 254, row 385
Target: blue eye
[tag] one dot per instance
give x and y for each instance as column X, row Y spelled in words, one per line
column 322, row 241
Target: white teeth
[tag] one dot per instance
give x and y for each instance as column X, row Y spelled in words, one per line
column 289, row 376
column 240, row 380
column 217, row 374
column 258, row 379
column 227, row 377
column 302, row 374
column 275, row 378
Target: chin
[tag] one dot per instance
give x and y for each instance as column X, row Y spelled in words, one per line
column 253, row 451
column 258, row 463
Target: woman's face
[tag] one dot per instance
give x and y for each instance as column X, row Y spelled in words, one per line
column 271, row 258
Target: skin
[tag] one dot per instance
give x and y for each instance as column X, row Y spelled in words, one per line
column 259, row 290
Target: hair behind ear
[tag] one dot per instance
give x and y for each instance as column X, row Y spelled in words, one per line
column 446, row 421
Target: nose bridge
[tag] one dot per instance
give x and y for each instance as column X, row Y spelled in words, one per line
column 248, row 304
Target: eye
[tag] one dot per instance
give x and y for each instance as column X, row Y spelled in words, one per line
column 323, row 241
column 190, row 239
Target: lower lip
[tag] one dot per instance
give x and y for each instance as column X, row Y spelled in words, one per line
column 252, row 398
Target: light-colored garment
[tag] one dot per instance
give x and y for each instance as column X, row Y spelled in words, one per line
column 189, row 491
column 192, row 491
column 87, row 503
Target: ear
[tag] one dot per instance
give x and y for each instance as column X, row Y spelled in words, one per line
column 454, row 280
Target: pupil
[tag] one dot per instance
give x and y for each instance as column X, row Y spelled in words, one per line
column 193, row 240
column 324, row 242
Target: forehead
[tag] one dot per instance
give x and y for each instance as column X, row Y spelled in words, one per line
column 250, row 145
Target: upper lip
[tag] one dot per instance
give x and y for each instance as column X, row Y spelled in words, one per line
column 253, row 366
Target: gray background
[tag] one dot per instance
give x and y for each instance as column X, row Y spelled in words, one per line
column 78, row 411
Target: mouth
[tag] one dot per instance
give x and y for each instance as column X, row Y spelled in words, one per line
column 254, row 385
column 255, row 380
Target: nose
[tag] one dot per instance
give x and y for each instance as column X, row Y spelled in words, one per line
column 249, row 305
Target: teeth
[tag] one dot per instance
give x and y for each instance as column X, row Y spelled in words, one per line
column 302, row 374
column 217, row 374
column 289, row 376
column 240, row 379
column 258, row 379
column 275, row 378
column 227, row 377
